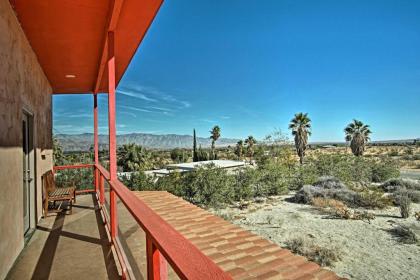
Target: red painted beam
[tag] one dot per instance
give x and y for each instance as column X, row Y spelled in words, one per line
column 62, row 167
column 112, row 24
column 112, row 133
column 111, row 108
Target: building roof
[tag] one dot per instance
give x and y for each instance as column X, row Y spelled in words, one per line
column 70, row 38
column 218, row 163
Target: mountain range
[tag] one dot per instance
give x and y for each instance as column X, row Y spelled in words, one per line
column 83, row 142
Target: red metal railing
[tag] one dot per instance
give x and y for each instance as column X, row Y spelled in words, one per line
column 78, row 166
column 163, row 242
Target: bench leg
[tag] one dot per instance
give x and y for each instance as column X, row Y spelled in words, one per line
column 46, row 207
column 71, row 206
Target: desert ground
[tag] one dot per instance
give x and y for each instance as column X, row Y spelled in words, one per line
column 367, row 250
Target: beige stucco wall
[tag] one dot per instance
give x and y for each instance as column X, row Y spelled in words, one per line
column 23, row 86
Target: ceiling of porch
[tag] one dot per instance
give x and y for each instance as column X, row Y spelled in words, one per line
column 70, row 38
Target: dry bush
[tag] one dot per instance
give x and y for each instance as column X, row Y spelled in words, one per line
column 395, row 184
column 348, row 214
column 405, row 206
column 329, row 188
column 321, row 255
column 326, row 203
column 404, row 234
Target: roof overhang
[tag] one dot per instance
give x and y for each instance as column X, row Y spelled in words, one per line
column 69, row 38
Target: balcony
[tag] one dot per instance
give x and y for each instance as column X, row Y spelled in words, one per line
column 112, row 232
column 158, row 236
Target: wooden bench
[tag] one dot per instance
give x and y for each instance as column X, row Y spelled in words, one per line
column 53, row 194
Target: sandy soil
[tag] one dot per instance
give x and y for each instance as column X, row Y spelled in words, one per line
column 368, row 251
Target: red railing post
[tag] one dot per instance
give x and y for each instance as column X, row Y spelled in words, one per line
column 157, row 268
column 95, row 138
column 101, row 190
column 112, row 134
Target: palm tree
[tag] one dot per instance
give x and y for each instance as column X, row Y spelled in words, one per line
column 301, row 130
column 215, row 134
column 250, row 142
column 357, row 134
column 239, row 149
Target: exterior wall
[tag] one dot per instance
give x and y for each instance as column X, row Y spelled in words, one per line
column 23, row 86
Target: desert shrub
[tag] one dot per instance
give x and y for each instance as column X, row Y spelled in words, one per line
column 327, row 203
column 179, row 155
column 81, row 178
column 348, row 168
column 404, row 234
column 139, row 181
column 272, row 180
column 207, row 186
column 405, row 206
column 413, row 195
column 393, row 153
column 329, row 182
column 384, row 169
column 331, row 188
column 324, row 256
column 395, row 184
column 373, row 199
column 302, row 175
column 308, row 193
column 244, row 183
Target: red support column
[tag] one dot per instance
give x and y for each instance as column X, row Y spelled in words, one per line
column 112, row 134
column 95, row 140
column 157, row 268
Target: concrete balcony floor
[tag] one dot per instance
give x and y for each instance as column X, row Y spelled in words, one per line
column 68, row 247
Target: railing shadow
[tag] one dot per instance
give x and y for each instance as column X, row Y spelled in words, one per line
column 45, row 261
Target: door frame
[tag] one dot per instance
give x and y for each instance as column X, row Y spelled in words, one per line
column 32, row 168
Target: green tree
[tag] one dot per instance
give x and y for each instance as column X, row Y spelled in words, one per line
column 215, row 134
column 239, row 149
column 195, row 156
column 179, row 155
column 132, row 157
column 357, row 134
column 58, row 155
column 301, row 130
column 202, row 155
column 250, row 142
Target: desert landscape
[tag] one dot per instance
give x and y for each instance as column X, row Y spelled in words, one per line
column 362, row 249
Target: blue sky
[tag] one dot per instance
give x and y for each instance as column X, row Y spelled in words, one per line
column 248, row 66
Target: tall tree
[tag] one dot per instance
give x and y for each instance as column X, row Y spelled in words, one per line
column 195, row 156
column 58, row 155
column 132, row 157
column 357, row 134
column 239, row 149
column 250, row 142
column 301, row 130
column 215, row 134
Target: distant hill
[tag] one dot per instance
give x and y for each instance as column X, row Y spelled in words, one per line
column 82, row 142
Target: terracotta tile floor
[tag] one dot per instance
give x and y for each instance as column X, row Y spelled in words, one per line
column 241, row 253
column 76, row 246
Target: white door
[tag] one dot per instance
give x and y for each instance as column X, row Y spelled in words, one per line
column 26, row 173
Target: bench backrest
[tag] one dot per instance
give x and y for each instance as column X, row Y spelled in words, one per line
column 49, row 183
